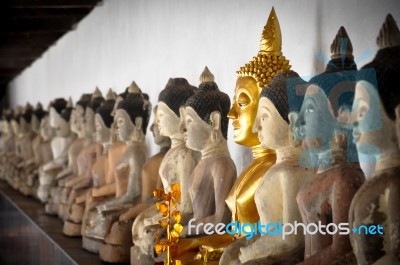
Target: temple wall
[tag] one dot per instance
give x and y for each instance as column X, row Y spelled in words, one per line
column 151, row 41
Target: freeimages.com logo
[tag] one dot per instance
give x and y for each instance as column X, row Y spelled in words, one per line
column 281, row 229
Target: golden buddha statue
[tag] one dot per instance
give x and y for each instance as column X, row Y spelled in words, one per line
column 251, row 79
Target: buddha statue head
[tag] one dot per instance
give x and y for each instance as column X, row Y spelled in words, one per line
column 273, row 112
column 95, row 102
column 37, row 117
column 55, row 108
column 171, row 98
column 6, row 123
column 160, row 140
column 326, row 96
column 15, row 120
column 78, row 115
column 104, row 119
column 377, row 95
column 206, row 122
column 60, row 113
column 252, row 78
column 46, row 132
column 132, row 117
column 25, row 119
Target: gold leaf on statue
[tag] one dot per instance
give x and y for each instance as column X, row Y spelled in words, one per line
column 178, row 228
column 162, row 207
column 176, row 195
column 167, row 196
column 158, row 193
column 163, row 223
column 177, row 216
column 174, row 236
column 159, row 249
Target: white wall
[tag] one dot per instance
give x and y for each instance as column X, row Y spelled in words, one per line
column 151, row 40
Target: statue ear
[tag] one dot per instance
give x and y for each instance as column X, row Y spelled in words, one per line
column 138, row 123
column 215, row 118
column 182, row 125
column 292, row 116
column 397, row 112
column 294, row 138
column 344, row 114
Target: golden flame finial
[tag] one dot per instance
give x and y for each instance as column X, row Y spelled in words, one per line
column 269, row 60
column 206, row 76
column 389, row 35
column 271, row 37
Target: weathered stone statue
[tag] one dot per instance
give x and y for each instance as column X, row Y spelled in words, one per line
column 374, row 211
column 107, row 190
column 59, row 192
column 60, row 113
column 77, row 185
column 24, row 150
column 176, row 167
column 45, row 151
column 205, row 130
column 40, row 147
column 7, row 145
column 326, row 198
column 131, row 118
column 275, row 197
column 80, row 186
column 118, row 241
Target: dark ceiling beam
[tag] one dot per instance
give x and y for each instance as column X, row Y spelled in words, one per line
column 9, row 73
column 13, row 63
column 50, row 3
column 11, row 25
column 21, row 53
column 43, row 12
column 33, row 40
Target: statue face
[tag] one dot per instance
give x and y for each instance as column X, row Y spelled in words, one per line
column 244, row 111
column 103, row 134
column 23, row 126
column 15, row 126
column 89, row 121
column 372, row 126
column 4, row 126
column 158, row 138
column 272, row 129
column 124, row 125
column 398, row 124
column 74, row 122
column 198, row 132
column 53, row 116
column 316, row 122
column 46, row 132
column 167, row 121
column 35, row 124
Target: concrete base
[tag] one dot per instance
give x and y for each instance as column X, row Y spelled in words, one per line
column 114, row 253
column 120, row 233
column 91, row 244
column 51, row 208
column 72, row 229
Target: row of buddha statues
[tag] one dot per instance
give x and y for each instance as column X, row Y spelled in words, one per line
column 88, row 164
